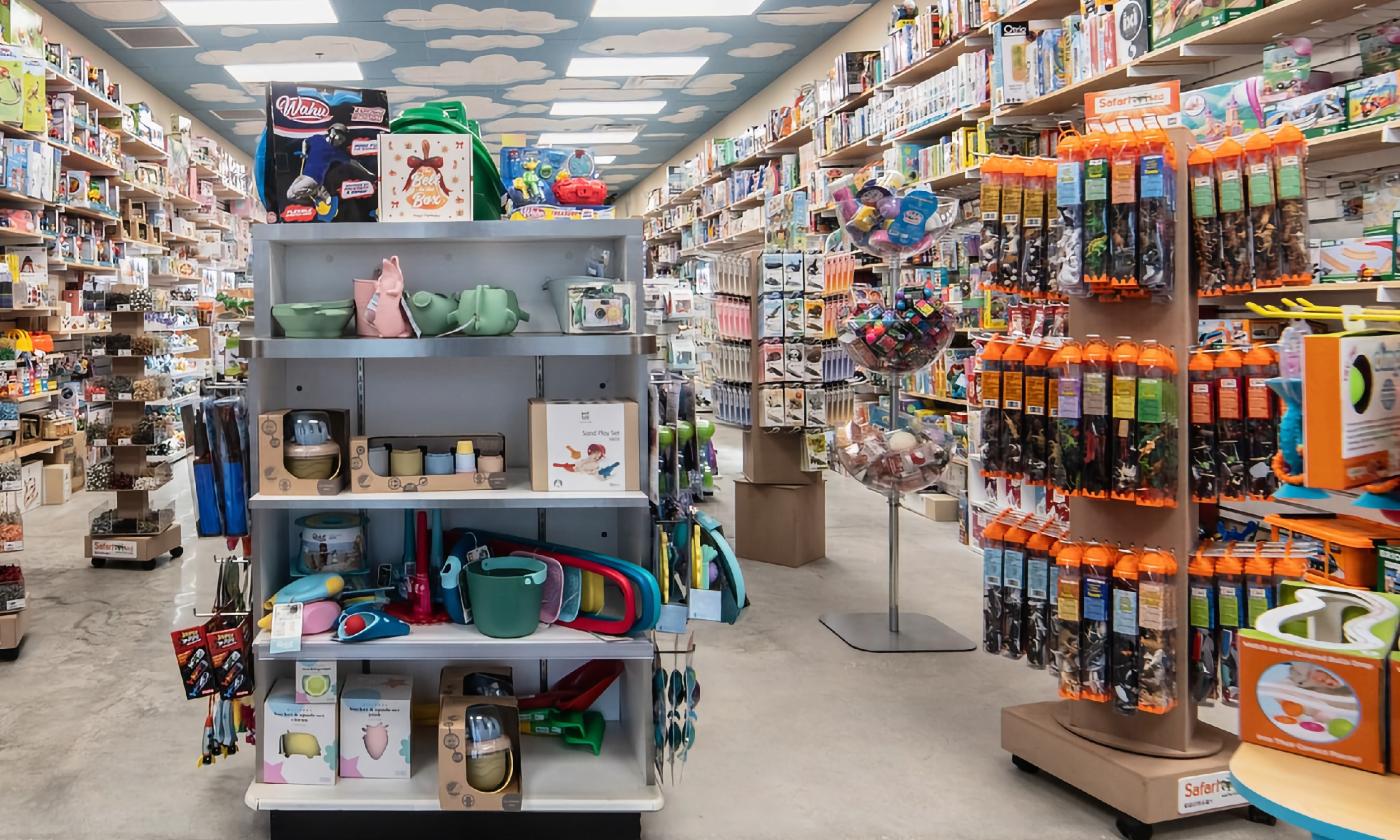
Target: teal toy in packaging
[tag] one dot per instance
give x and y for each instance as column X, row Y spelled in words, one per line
column 529, row 173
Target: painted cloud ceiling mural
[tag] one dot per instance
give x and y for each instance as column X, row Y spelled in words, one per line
column 507, row 65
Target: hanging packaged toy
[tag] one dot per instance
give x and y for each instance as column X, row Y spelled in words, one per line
column 1038, row 594
column 1123, row 452
column 1261, row 430
column 1205, row 224
column 1035, row 435
column 1013, row 591
column 993, row 461
column 1157, row 424
column 1259, row 589
column 1230, row 453
column 1094, row 421
column 993, row 543
column 1157, row 623
column 1096, row 201
column 1067, row 619
column 1230, row 601
column 1067, row 243
column 1066, row 455
column 1057, row 534
column 1290, row 157
column 1096, row 588
column 1123, row 215
column 1234, row 217
column 1013, row 178
column 1205, row 633
column 1201, row 374
column 1013, row 368
column 1125, row 650
column 1033, row 192
column 989, row 244
column 1157, row 214
column 1263, row 209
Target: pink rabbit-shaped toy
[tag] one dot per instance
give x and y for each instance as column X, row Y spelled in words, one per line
column 379, row 303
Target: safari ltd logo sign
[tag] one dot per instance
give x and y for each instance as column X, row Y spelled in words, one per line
column 303, row 109
column 1207, row 792
column 1162, row 100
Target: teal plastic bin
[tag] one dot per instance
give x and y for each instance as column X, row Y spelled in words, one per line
column 505, row 595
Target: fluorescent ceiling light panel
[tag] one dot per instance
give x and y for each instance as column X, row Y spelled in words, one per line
column 607, row 109
column 653, row 65
column 250, row 12
column 674, row 8
column 297, row 71
column 585, row 138
column 604, row 160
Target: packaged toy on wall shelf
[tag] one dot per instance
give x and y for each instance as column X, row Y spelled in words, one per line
column 322, row 156
column 962, row 88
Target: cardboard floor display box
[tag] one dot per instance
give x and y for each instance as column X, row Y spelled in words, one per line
column 72, row 451
column 58, row 483
column 12, row 628
column 776, row 458
column 783, row 524
column 275, row 434
column 458, row 754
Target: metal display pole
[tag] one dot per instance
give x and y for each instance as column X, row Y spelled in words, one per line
column 891, row 633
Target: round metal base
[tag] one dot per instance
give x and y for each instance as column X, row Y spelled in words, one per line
column 870, row 632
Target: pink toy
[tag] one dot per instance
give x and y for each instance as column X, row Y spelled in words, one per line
column 379, row 303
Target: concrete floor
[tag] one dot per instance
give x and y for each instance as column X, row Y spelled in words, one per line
column 800, row 736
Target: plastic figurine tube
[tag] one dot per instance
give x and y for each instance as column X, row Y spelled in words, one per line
column 1038, row 593
column 1096, row 202
column 1096, row 373
column 1123, row 214
column 1126, row 649
column 1156, row 232
column 1033, row 266
column 1205, row 224
column 1065, row 459
column 1095, row 631
column 1263, row 209
column 1205, row 630
column 1234, row 217
column 1204, row 478
column 1157, row 623
column 1230, row 600
column 1291, row 183
column 989, row 241
column 993, row 537
column 1067, row 619
column 990, row 386
column 1229, row 425
column 1013, row 591
column 1013, row 178
column 1123, row 452
column 1260, row 593
column 1013, row 371
column 1157, row 423
column 1035, row 420
column 1067, row 245
column 1261, row 421
column 1052, row 608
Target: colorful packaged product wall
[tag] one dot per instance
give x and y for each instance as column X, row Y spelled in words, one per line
column 323, row 152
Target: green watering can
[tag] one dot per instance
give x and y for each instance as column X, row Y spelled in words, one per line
column 434, row 314
column 451, row 118
column 576, row 728
column 488, row 310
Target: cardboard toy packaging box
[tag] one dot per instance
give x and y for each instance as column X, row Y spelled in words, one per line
column 72, row 451
column 58, row 483
column 801, row 510
column 455, row 747
column 489, row 475
column 584, row 446
column 316, row 681
column 1351, row 432
column 425, row 177
column 776, row 459
column 275, row 434
column 376, row 727
column 12, row 629
column 323, row 154
column 23, row 26
column 301, row 739
column 1172, row 21
column 1327, row 703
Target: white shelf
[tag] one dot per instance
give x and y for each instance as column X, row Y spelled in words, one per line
column 454, row 641
column 554, row 778
column 516, row 495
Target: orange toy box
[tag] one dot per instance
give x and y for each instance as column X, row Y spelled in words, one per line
column 1313, row 674
column 1349, row 545
column 1351, row 430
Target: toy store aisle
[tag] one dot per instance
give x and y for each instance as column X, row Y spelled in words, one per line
column 799, row 736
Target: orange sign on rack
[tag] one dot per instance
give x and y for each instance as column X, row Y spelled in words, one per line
column 1161, row 100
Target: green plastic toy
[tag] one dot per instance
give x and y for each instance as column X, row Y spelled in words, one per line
column 575, row 728
column 451, row 118
column 488, row 310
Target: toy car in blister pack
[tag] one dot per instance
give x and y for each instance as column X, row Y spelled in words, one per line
column 321, row 162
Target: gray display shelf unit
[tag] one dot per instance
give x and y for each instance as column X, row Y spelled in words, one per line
column 458, row 386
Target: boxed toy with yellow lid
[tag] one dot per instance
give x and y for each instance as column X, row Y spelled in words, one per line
column 1351, row 428
column 1313, row 674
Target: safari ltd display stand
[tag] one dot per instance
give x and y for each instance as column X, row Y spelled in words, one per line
column 901, row 336
column 1149, row 768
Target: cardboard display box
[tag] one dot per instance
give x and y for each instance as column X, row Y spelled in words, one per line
column 274, row 433
column 455, row 792
column 940, row 507
column 72, row 451
column 776, row 459
column 490, row 465
column 801, row 510
column 58, row 483
column 584, row 446
column 12, row 628
column 425, row 177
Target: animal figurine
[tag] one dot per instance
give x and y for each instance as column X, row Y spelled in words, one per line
column 379, row 303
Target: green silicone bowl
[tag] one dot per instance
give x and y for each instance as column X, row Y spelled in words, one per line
column 323, row 319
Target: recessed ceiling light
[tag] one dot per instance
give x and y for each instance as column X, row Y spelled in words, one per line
column 585, row 138
column 297, row 71
column 649, row 8
column 250, row 12
column 660, row 65
column 606, row 109
column 604, row 159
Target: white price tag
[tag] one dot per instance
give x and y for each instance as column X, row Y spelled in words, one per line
column 125, row 396
column 123, row 441
column 123, row 353
column 705, row 604
column 15, row 604
column 1207, row 792
column 286, row 628
column 16, row 545
column 9, row 425
column 98, row 352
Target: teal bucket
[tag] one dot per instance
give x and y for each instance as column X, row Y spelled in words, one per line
column 505, row 595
